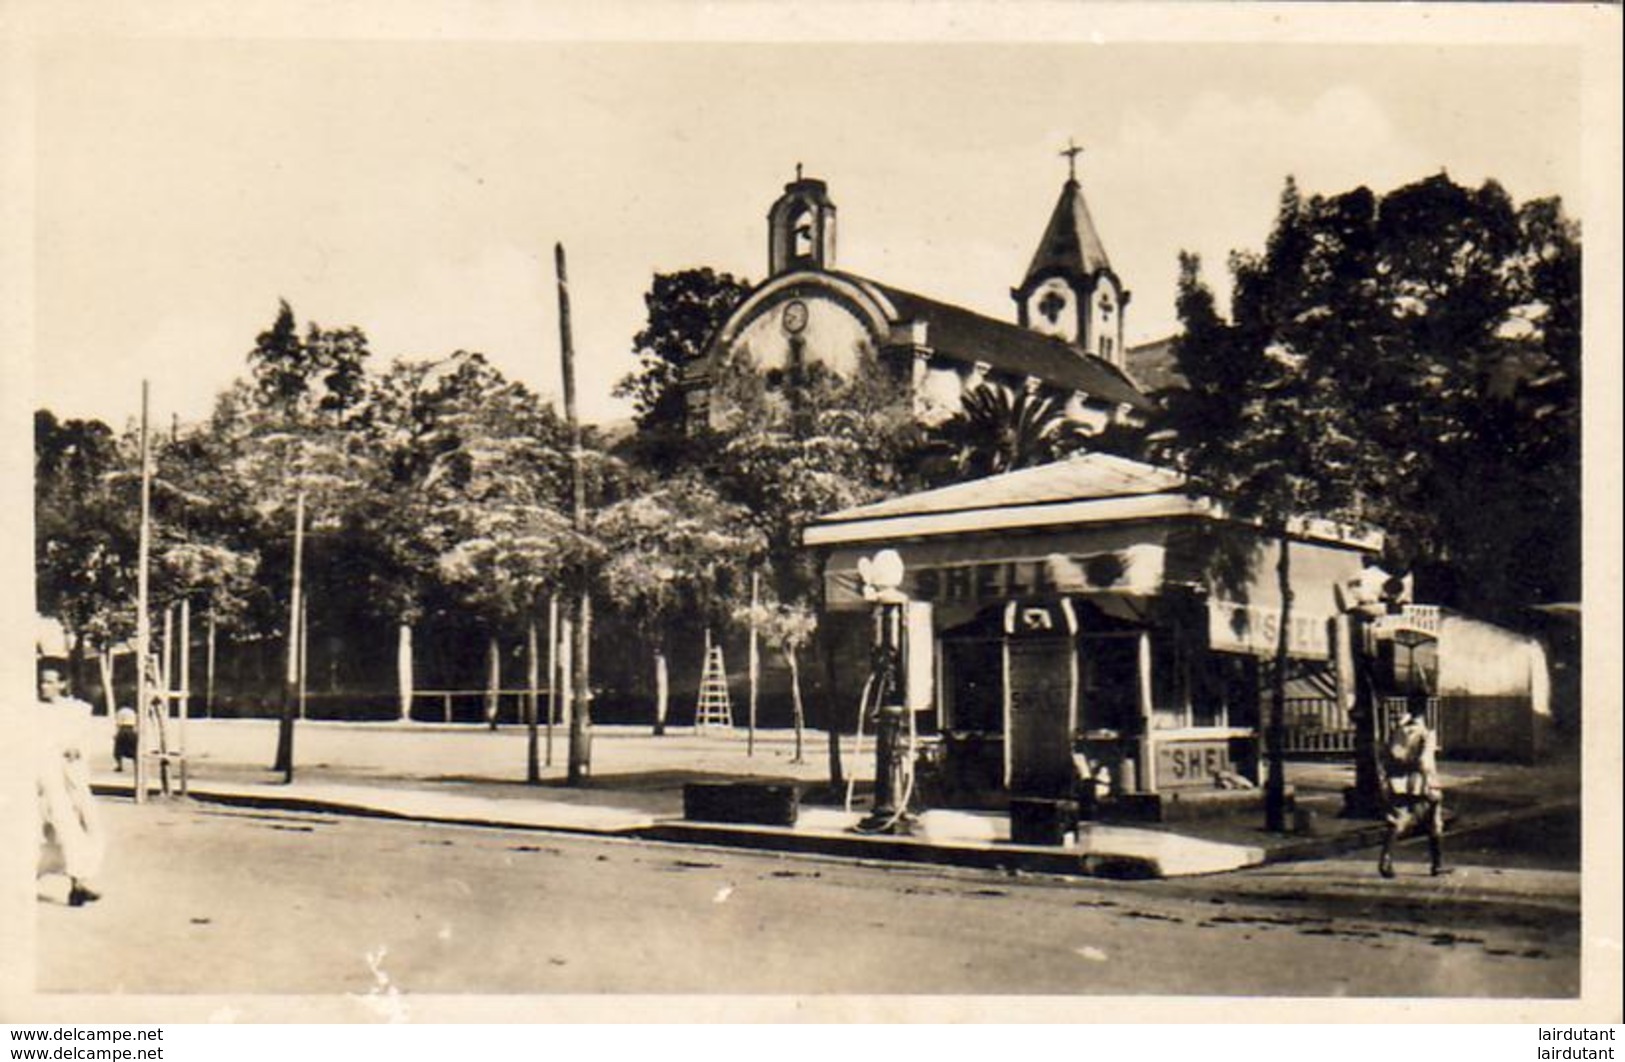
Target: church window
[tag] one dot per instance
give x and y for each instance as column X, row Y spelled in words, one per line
column 1051, row 305
column 801, row 233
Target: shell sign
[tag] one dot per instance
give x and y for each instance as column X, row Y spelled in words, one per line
column 1235, row 627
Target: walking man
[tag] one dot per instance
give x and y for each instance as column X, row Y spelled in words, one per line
column 1412, row 789
column 71, row 840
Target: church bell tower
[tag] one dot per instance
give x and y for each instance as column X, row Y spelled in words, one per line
column 801, row 227
column 1070, row 290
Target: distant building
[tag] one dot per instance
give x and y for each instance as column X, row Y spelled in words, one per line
column 1066, row 342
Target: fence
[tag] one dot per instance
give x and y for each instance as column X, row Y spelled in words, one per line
column 1319, row 726
column 510, row 704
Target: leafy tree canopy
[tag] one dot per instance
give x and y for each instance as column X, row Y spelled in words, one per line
column 997, row 430
column 1408, row 360
column 685, row 309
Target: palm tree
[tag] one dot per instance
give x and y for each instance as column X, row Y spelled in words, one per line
column 997, row 430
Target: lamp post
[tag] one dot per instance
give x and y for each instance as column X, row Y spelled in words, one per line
column 882, row 583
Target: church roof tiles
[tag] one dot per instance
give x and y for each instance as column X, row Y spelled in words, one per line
column 969, row 337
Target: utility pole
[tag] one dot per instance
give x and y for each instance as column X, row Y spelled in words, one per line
column 290, row 677
column 304, row 651
column 580, row 763
column 143, row 623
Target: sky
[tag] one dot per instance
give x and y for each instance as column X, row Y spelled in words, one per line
column 415, row 188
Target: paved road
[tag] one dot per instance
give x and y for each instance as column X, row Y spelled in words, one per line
column 218, row 900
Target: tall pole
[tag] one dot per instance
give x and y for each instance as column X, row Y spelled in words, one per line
column 290, row 677
column 580, row 764
column 304, row 651
column 143, row 623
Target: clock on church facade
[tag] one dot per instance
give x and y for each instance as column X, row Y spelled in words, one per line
column 1066, row 342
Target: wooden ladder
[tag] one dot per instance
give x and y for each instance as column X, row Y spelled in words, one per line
column 714, row 709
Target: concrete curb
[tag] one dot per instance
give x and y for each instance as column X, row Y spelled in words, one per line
column 1370, row 836
column 574, row 819
column 1126, row 855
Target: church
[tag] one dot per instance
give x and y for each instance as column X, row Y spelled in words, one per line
column 1066, row 343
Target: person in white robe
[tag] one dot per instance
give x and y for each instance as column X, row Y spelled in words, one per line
column 71, row 837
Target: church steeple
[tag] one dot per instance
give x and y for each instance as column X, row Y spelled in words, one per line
column 1070, row 290
column 1070, row 243
column 801, row 227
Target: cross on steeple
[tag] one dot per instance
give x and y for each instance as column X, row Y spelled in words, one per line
column 1072, row 152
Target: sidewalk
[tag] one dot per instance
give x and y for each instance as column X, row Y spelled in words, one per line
column 470, row 775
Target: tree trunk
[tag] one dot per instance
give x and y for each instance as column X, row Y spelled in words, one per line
column 184, row 666
column 493, row 681
column 826, row 649
column 567, row 670
column 754, row 671
column 552, row 669
column 533, row 699
column 1275, row 783
column 76, row 662
column 795, row 699
column 662, row 690
column 104, row 660
column 208, row 669
column 403, row 670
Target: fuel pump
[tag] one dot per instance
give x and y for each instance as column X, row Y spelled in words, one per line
column 885, row 700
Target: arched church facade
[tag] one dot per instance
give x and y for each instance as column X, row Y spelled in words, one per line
column 1066, row 343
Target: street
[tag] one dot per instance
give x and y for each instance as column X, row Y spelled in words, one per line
column 209, row 899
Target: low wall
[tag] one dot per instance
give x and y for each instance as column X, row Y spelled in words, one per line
column 1493, row 728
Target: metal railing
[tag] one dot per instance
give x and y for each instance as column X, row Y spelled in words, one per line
column 1321, row 726
column 1317, row 725
column 518, row 698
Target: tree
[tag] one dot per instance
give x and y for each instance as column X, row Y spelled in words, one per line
column 87, row 513
column 685, row 309
column 289, row 433
column 791, row 449
column 1263, row 424
column 1408, row 361
column 996, row 431
column 84, row 541
column 325, row 372
column 787, row 628
column 673, row 550
column 1482, row 301
column 490, row 470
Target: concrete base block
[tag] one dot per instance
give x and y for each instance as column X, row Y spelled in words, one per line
column 753, row 803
